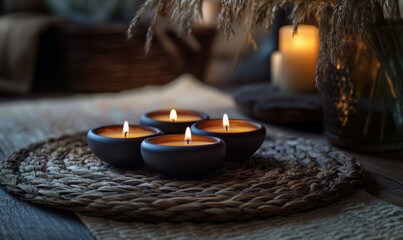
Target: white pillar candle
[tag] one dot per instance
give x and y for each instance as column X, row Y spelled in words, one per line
column 299, row 56
column 275, row 68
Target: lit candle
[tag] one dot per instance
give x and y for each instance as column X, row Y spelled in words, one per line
column 233, row 128
column 187, row 141
column 173, row 117
column 299, row 56
column 241, row 137
column 172, row 121
column 183, row 156
column 125, row 132
column 119, row 146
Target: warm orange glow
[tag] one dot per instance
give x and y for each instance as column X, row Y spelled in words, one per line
column 299, row 56
column 225, row 122
column 188, row 135
column 305, row 40
column 125, row 129
column 173, row 116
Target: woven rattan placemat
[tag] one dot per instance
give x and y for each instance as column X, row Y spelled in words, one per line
column 286, row 175
column 358, row 216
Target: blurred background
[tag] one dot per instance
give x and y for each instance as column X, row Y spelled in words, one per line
column 64, row 47
column 82, row 46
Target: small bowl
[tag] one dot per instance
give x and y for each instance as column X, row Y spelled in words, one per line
column 186, row 162
column 240, row 145
column 119, row 152
column 168, row 127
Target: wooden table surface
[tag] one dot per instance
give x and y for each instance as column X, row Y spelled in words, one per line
column 383, row 178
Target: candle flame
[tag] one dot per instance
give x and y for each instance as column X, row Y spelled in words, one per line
column 188, row 135
column 173, row 116
column 225, row 122
column 125, row 129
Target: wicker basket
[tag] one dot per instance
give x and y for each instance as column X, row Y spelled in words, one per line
column 101, row 59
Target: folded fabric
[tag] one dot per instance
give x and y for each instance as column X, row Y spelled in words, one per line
column 19, row 35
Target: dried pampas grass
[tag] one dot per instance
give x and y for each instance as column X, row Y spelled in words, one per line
column 339, row 20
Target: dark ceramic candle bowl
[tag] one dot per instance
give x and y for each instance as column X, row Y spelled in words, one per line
column 185, row 162
column 240, row 145
column 119, row 152
column 169, row 127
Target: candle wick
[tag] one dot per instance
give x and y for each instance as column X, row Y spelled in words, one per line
column 188, row 141
column 125, row 134
column 226, row 128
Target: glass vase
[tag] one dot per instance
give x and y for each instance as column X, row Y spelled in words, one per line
column 363, row 95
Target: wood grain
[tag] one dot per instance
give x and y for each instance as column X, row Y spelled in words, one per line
column 383, row 188
column 23, row 220
column 388, row 165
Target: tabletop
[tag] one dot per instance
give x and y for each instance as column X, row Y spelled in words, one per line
column 19, row 219
column 22, row 220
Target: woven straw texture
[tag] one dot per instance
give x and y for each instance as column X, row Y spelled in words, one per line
column 285, row 176
column 358, row 216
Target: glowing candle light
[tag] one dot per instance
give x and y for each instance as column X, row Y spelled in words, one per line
column 172, row 120
column 188, row 135
column 184, row 140
column 293, row 66
column 125, row 129
column 227, row 127
column 225, row 122
column 115, row 132
column 120, row 145
column 242, row 137
column 173, row 116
